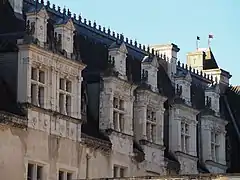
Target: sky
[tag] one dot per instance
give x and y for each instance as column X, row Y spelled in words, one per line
column 171, row 21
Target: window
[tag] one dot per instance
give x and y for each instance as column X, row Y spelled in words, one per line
column 38, row 87
column 118, row 114
column 215, row 145
column 185, row 137
column 34, row 172
column 119, row 172
column 208, row 101
column 63, row 175
column 151, row 125
column 65, row 96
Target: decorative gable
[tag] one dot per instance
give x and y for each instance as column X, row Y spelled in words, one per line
column 37, row 20
column 183, row 86
column 64, row 32
column 150, row 68
column 117, row 52
column 212, row 96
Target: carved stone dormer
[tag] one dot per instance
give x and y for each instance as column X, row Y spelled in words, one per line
column 183, row 87
column 212, row 96
column 150, row 65
column 64, row 32
column 37, row 18
column 118, row 52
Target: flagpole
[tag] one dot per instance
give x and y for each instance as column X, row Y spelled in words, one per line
column 197, row 42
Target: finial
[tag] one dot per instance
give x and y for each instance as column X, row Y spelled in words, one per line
column 74, row 16
column 54, row 7
column 69, row 13
column 148, row 49
column 139, row 46
column 79, row 18
column 85, row 21
column 89, row 23
column 94, row 24
column 182, row 63
column 109, row 31
column 152, row 51
column 64, row 11
column 186, row 66
column 48, row 4
column 178, row 63
column 126, row 40
column 190, row 68
column 104, row 29
column 59, row 9
column 117, row 36
column 135, row 43
column 194, row 71
column 131, row 42
column 144, row 47
column 121, row 38
column 99, row 28
column 113, row 34
column 42, row 2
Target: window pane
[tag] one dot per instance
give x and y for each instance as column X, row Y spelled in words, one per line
column 115, row 120
column 69, row 86
column 61, row 103
column 121, row 122
column 60, row 175
column 39, row 173
column 68, row 105
column 41, row 77
column 41, row 96
column 122, row 105
column 34, row 94
column 115, row 171
column 115, row 103
column 30, row 172
column 122, row 172
column 62, row 84
column 69, row 176
column 34, row 74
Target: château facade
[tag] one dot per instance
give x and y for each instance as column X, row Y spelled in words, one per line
column 79, row 101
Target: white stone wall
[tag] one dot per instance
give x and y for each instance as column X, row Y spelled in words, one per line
column 55, row 67
column 182, row 113
column 210, row 123
column 113, row 86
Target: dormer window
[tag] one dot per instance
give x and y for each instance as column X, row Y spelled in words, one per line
column 179, row 90
column 118, row 114
column 38, row 22
column 38, row 87
column 151, row 125
column 65, row 96
column 149, row 71
column 208, row 101
column 65, row 32
column 215, row 146
column 117, row 55
column 185, row 137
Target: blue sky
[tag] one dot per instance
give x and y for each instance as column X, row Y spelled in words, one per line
column 164, row 21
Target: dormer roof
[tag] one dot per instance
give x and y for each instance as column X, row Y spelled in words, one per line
column 120, row 46
column 151, row 60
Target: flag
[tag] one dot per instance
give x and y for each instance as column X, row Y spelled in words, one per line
column 210, row 36
column 198, row 38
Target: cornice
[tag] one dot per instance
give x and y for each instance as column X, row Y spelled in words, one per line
column 49, row 54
